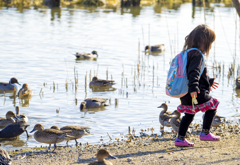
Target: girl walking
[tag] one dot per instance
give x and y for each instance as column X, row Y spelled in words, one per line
column 199, row 85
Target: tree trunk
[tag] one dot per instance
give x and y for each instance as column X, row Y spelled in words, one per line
column 236, row 4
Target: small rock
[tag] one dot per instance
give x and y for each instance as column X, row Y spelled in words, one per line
column 129, row 159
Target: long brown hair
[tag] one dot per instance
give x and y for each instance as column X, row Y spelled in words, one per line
column 201, row 37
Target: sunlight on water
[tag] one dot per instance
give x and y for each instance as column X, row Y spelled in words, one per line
column 37, row 47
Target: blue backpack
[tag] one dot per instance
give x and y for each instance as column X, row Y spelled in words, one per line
column 177, row 81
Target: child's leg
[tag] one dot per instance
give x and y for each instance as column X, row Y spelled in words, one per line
column 207, row 121
column 184, row 124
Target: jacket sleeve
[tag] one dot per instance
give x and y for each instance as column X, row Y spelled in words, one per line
column 194, row 70
column 211, row 80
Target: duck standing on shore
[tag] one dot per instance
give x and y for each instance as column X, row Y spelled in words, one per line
column 155, row 48
column 25, row 92
column 101, row 155
column 13, row 84
column 216, row 120
column 50, row 136
column 100, row 83
column 10, row 118
column 76, row 131
column 14, row 130
column 164, row 116
column 86, row 55
column 4, row 157
column 93, row 103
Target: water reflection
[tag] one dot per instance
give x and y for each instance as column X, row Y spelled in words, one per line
column 55, row 12
column 102, row 89
column 135, row 11
column 238, row 93
column 93, row 110
column 15, row 142
column 24, row 102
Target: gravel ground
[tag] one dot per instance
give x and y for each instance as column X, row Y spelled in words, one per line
column 143, row 150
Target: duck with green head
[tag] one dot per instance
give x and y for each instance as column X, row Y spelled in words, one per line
column 101, row 83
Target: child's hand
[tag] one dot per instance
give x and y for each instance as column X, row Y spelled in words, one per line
column 194, row 94
column 214, row 85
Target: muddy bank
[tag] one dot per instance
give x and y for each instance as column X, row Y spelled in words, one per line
column 148, row 149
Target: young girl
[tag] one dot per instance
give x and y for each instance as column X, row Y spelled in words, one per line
column 199, row 85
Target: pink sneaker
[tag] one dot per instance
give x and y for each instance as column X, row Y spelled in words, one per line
column 183, row 143
column 209, row 137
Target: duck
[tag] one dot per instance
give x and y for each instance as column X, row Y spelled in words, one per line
column 238, row 82
column 14, row 130
column 155, row 48
column 216, row 120
column 25, row 92
column 20, row 117
column 86, row 55
column 175, row 122
column 164, row 116
column 93, row 103
column 11, row 85
column 50, row 136
column 101, row 155
column 10, row 118
column 76, row 131
column 101, row 83
column 4, row 157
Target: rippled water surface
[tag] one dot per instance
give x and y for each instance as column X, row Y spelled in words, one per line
column 37, row 46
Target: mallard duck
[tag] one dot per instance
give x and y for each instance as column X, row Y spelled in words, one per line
column 4, row 157
column 76, row 131
column 13, row 83
column 10, row 118
column 100, row 83
column 86, row 55
column 164, row 116
column 14, row 130
column 101, row 155
column 155, row 48
column 216, row 120
column 238, row 82
column 25, row 92
column 50, row 136
column 21, row 117
column 93, row 103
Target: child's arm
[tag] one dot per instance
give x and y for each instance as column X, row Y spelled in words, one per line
column 194, row 69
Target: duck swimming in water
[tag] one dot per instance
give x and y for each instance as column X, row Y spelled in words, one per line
column 155, row 48
column 76, row 131
column 86, row 55
column 10, row 118
column 101, row 155
column 93, row 103
column 101, row 83
column 20, row 117
column 13, row 84
column 164, row 116
column 25, row 92
column 50, row 136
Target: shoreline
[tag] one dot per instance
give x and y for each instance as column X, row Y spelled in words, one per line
column 147, row 149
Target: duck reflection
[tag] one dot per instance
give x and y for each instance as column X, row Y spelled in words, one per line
column 102, row 89
column 135, row 10
column 55, row 11
column 238, row 93
column 92, row 110
column 15, row 142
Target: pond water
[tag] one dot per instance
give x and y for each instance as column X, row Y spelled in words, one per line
column 37, row 46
